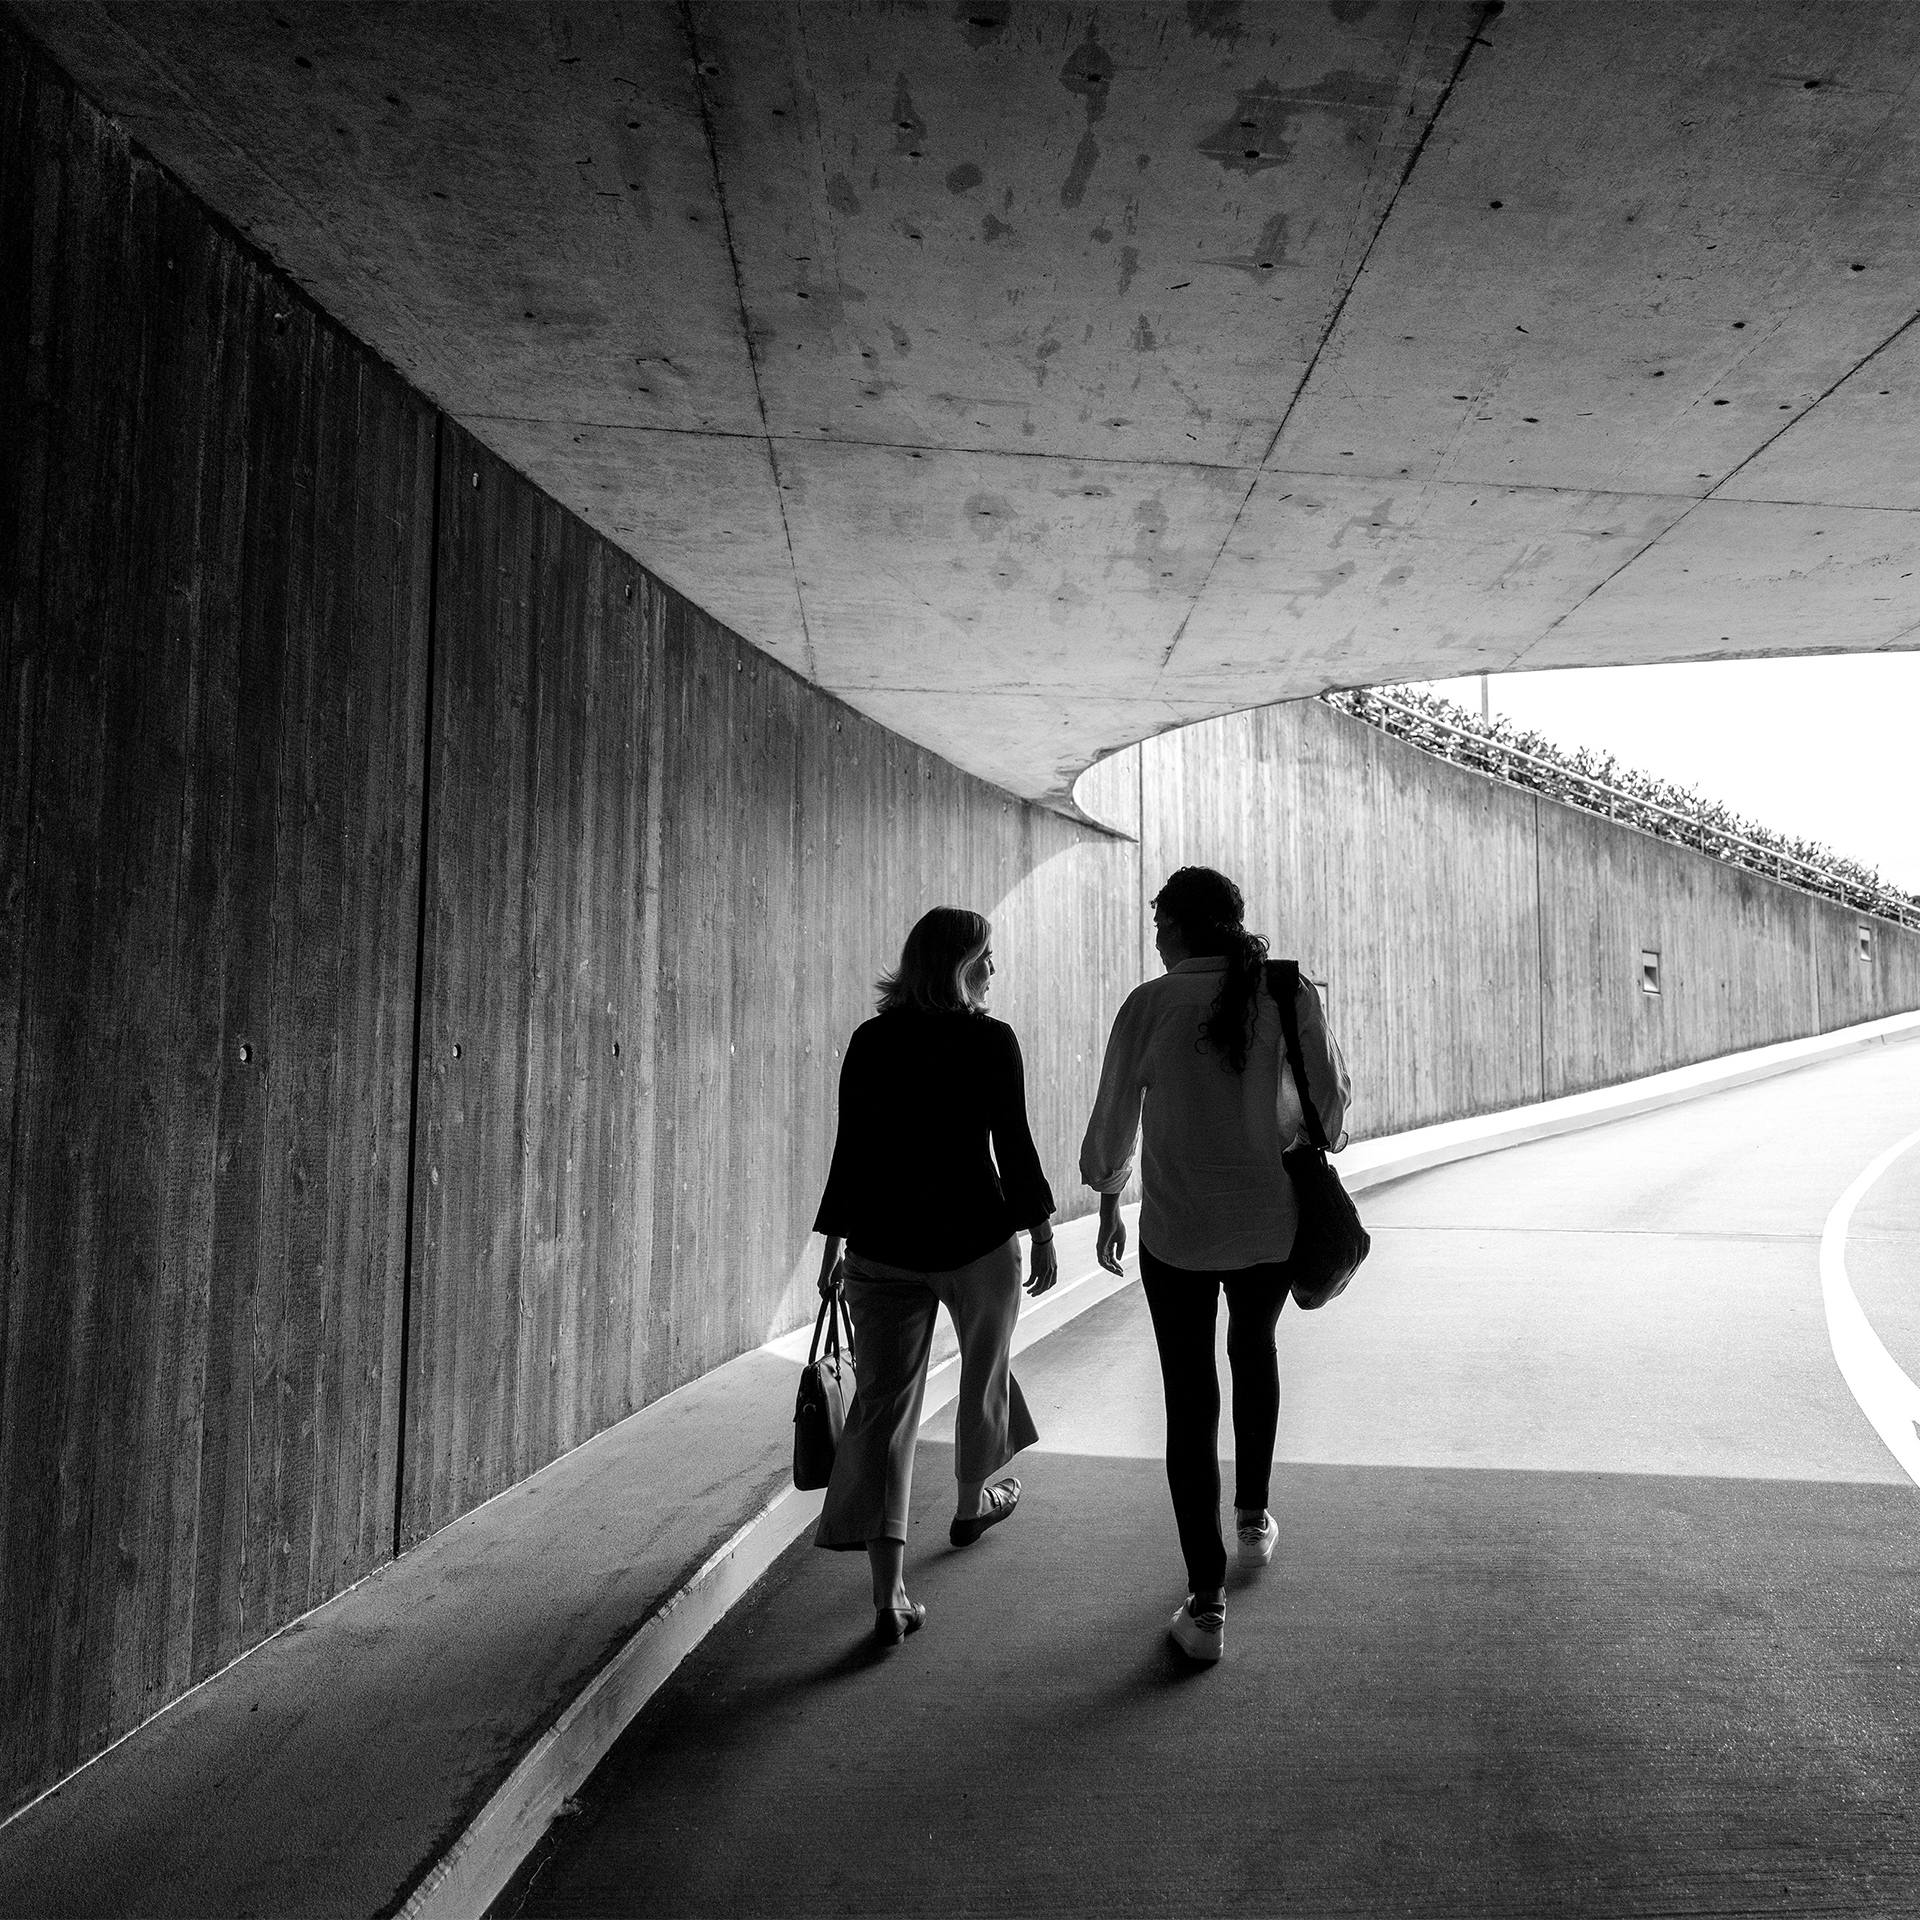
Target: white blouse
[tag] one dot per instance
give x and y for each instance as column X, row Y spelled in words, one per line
column 1214, row 1194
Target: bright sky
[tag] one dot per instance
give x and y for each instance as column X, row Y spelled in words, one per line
column 1827, row 748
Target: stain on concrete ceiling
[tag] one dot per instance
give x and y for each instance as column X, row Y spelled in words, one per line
column 1037, row 377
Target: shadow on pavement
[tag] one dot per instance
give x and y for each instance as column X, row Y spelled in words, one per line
column 1486, row 1693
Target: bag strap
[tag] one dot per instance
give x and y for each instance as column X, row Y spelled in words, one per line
column 820, row 1327
column 833, row 1306
column 1283, row 982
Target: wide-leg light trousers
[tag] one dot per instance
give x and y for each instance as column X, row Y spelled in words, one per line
column 894, row 1310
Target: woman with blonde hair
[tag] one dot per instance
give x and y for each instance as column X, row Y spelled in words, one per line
column 929, row 1218
column 1197, row 1067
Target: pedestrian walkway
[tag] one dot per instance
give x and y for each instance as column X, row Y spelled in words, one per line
column 1597, row 1593
column 405, row 1745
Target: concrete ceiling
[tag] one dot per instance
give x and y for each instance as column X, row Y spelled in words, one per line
column 1037, row 377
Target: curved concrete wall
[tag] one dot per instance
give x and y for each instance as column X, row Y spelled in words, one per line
column 1481, row 945
column 428, row 939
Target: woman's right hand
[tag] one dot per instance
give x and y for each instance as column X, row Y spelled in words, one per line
column 1111, row 1246
column 1043, row 1268
column 832, row 1267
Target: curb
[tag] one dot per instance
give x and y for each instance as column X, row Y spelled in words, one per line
column 473, row 1872
column 1373, row 1163
column 465, row 1880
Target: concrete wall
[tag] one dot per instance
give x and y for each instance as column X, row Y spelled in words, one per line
column 1481, row 945
column 428, row 941
column 428, row 945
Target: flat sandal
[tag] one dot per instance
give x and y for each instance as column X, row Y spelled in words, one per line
column 1002, row 1497
column 891, row 1625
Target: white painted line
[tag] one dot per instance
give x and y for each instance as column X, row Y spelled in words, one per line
column 1887, row 1397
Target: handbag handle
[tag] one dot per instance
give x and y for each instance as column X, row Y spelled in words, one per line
column 833, row 1304
column 1283, row 982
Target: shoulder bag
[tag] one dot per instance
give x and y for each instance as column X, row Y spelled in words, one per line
column 1330, row 1242
column 826, row 1386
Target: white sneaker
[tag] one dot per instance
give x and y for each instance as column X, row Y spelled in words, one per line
column 1258, row 1542
column 1200, row 1638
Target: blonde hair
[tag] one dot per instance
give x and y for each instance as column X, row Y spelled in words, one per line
column 943, row 948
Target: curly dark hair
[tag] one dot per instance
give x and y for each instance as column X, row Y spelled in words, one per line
column 1210, row 912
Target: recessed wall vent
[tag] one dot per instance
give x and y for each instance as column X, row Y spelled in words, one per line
column 1649, row 970
column 1866, row 941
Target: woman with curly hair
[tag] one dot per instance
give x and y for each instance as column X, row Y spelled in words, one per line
column 929, row 1219
column 1196, row 1066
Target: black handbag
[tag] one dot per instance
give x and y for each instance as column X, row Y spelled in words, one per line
column 1330, row 1242
column 826, row 1387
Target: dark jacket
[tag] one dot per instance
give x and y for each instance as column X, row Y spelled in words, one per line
column 912, row 1183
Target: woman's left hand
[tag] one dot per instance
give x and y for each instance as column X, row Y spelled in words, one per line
column 1043, row 1267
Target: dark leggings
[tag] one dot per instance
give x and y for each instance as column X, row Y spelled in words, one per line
column 1182, row 1304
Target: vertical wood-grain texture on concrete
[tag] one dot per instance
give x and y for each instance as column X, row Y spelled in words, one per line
column 1481, row 945
column 534, row 1148
column 1736, row 953
column 663, row 876
column 1403, row 884
column 217, row 527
